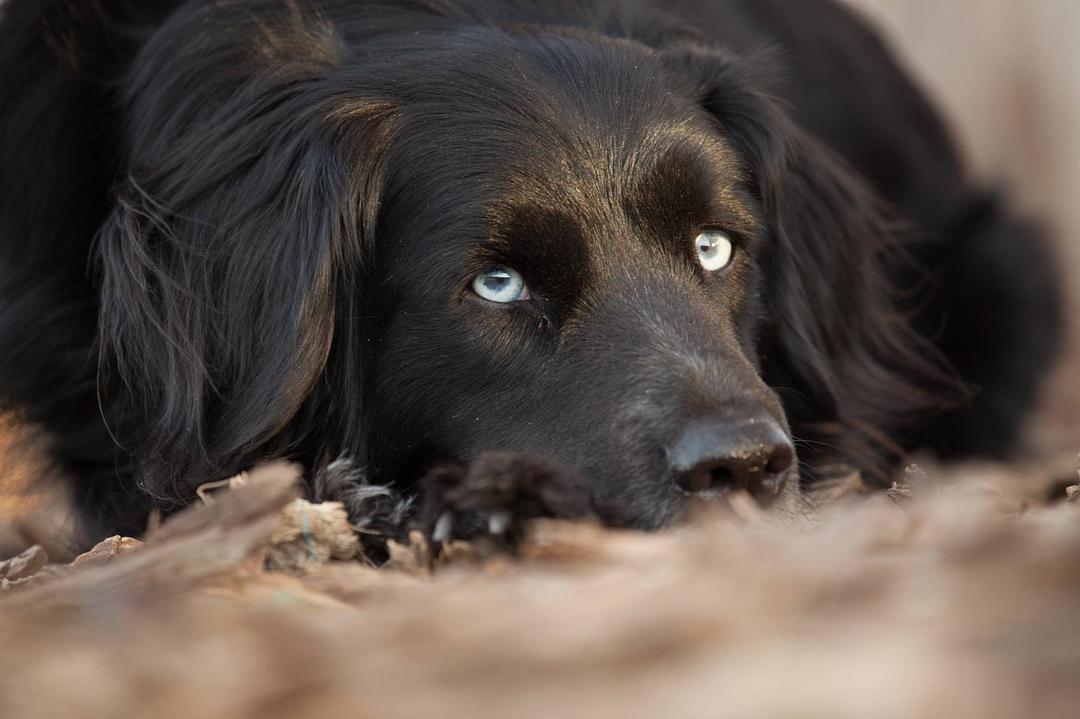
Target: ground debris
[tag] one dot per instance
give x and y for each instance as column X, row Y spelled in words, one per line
column 253, row 495
column 310, row 535
column 106, row 550
column 414, row 556
column 966, row 606
column 197, row 546
column 419, row 557
column 24, row 565
column 899, row 492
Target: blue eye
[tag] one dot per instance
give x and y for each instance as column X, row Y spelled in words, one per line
column 714, row 249
column 501, row 284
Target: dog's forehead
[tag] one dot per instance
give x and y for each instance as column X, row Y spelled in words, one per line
column 607, row 166
column 564, row 151
column 590, row 134
column 604, row 187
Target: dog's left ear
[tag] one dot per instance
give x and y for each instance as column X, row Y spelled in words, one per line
column 847, row 364
column 230, row 272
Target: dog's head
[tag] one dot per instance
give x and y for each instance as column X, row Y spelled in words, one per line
column 417, row 246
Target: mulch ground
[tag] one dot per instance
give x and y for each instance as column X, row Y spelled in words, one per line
column 957, row 594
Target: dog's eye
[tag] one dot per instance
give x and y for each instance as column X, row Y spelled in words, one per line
column 501, row 284
column 714, row 249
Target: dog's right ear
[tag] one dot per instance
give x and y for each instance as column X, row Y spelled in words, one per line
column 229, row 272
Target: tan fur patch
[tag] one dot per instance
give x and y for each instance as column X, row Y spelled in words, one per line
column 36, row 506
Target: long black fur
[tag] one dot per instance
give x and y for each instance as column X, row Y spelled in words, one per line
column 244, row 229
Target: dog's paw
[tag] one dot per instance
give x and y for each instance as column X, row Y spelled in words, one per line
column 497, row 495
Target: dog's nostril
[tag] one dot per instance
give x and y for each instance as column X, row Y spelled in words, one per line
column 722, row 477
column 780, row 460
column 707, row 478
column 713, row 476
column 696, row 481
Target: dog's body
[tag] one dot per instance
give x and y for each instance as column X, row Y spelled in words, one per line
column 238, row 230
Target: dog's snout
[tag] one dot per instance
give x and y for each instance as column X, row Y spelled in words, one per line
column 723, row 455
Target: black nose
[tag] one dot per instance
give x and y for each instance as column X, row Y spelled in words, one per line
column 722, row 455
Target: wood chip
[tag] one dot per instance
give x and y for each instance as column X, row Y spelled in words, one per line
column 24, row 565
column 414, row 558
column 106, row 550
column 899, row 492
column 264, row 491
column 311, row 535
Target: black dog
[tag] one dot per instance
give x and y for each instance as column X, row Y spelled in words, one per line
column 662, row 244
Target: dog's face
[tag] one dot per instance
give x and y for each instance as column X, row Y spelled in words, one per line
column 574, row 272
column 437, row 245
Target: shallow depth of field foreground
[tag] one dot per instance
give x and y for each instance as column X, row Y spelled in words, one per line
column 951, row 596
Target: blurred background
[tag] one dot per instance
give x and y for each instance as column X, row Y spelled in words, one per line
column 1006, row 74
